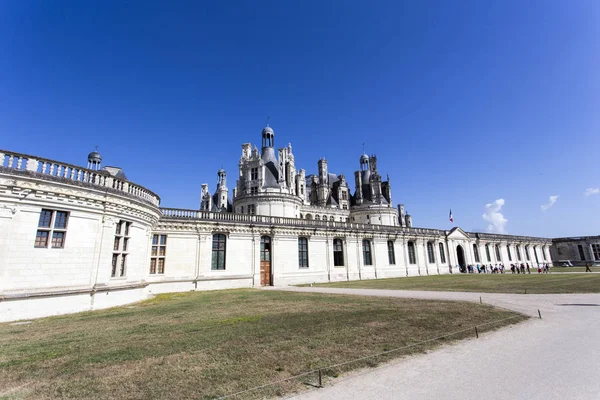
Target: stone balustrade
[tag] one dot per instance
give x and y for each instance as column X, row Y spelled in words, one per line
column 42, row 167
column 285, row 221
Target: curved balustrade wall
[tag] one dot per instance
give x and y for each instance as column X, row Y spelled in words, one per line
column 49, row 168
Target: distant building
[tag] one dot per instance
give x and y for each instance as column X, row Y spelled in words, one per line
column 74, row 238
column 577, row 250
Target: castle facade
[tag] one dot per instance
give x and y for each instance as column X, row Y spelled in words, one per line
column 75, row 238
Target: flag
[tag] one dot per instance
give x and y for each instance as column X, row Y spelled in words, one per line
column 451, row 219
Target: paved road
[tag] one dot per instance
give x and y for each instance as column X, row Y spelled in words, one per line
column 557, row 357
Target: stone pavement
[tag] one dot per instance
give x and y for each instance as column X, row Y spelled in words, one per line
column 557, row 357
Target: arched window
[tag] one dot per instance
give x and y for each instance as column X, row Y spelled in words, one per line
column 303, row 252
column 442, row 254
column 487, row 253
column 338, row 253
column 518, row 251
column 476, row 253
column 391, row 252
column 317, row 217
column 218, row 251
column 498, row 258
column 366, row 245
column 324, row 217
column 508, row 251
column 412, row 257
column 331, row 218
column 430, row 253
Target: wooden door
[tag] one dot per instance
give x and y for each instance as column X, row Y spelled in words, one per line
column 265, row 261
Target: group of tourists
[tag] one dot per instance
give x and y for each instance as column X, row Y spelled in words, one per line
column 500, row 269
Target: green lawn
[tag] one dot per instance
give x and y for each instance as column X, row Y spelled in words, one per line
column 574, row 269
column 494, row 283
column 208, row 344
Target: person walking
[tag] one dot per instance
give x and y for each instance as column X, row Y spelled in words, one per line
column 587, row 267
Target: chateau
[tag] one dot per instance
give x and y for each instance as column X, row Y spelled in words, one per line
column 75, row 239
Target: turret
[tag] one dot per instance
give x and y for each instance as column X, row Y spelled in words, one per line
column 268, row 137
column 222, row 194
column 408, row 221
column 94, row 160
column 323, row 183
column 365, row 169
column 205, row 198
column 358, row 195
column 301, row 185
column 401, row 215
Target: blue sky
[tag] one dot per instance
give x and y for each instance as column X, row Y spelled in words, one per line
column 466, row 103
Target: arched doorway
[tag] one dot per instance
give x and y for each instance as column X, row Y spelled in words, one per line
column 460, row 256
column 265, row 261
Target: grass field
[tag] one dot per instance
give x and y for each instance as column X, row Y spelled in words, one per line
column 208, row 344
column 491, row 283
column 574, row 269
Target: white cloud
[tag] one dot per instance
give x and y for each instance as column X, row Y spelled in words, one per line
column 551, row 202
column 495, row 219
column 591, row 191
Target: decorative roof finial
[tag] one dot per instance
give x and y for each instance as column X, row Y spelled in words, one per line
column 268, row 117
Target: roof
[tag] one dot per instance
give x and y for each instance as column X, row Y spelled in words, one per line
column 271, row 171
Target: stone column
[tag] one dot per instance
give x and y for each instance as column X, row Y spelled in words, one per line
column 405, row 254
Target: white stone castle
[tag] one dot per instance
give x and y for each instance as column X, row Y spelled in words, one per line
column 75, row 239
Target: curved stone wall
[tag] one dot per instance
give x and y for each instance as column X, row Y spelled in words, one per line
column 52, row 275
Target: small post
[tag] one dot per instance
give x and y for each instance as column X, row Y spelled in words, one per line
column 320, row 379
column 476, row 333
column 540, row 314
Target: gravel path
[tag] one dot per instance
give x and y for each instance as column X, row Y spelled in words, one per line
column 557, row 357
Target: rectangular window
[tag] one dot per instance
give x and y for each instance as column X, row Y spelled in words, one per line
column 581, row 253
column 45, row 219
column 344, row 195
column 527, row 252
column 254, row 190
column 345, row 207
column 218, row 251
column 115, row 262
column 52, row 229
column 430, row 253
column 303, row 252
column 595, row 250
column 391, row 252
column 158, row 254
column 518, row 251
column 412, row 257
column 487, row 253
column 58, row 240
column 442, row 254
column 476, row 253
column 508, row 251
column 252, row 209
column 120, row 251
column 366, row 244
column 338, row 253
column 41, row 239
column 254, row 174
